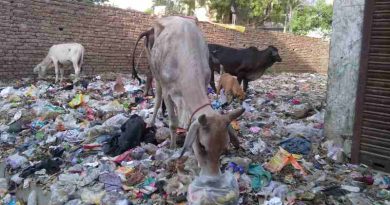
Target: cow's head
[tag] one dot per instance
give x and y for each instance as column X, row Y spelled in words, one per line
column 209, row 138
column 229, row 96
column 241, row 95
column 275, row 54
column 40, row 70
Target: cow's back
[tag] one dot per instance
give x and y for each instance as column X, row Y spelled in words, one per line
column 179, row 60
column 180, row 53
column 231, row 58
column 65, row 52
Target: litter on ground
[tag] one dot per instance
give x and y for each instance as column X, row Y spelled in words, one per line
column 92, row 145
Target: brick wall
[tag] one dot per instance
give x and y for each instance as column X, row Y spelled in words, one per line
column 29, row 27
column 299, row 53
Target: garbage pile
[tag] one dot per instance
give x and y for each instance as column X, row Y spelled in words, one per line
column 91, row 144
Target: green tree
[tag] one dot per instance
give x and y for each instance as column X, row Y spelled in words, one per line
column 248, row 11
column 289, row 8
column 293, row 14
column 149, row 11
column 184, row 7
column 255, row 12
column 308, row 18
column 172, row 7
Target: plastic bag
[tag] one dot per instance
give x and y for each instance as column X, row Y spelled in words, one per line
column 221, row 190
column 7, row 92
column 257, row 147
column 222, row 97
column 32, row 198
column 296, row 145
column 132, row 88
column 216, row 104
column 274, row 201
column 274, row 189
column 113, row 106
column 72, row 136
column 91, row 196
column 246, row 105
column 32, row 91
column 283, row 158
column 318, row 117
column 308, row 131
column 76, row 101
column 255, row 129
column 16, row 117
column 335, row 152
column 66, row 122
column 3, row 187
column 16, row 161
column 259, row 176
column 163, row 154
column 46, row 110
column 116, row 121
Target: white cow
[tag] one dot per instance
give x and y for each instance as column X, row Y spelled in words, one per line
column 179, row 63
column 65, row 54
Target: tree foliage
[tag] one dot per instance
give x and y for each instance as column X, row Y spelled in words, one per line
column 293, row 14
column 255, row 12
column 308, row 18
column 249, row 11
column 174, row 7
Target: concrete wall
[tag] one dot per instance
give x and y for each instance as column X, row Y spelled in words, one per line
column 29, row 27
column 343, row 69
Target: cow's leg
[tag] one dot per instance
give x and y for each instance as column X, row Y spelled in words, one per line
column 149, row 80
column 246, row 85
column 212, row 83
column 218, row 91
column 239, row 79
column 157, row 104
column 163, row 108
column 173, row 120
column 55, row 62
column 76, row 71
column 233, row 138
column 222, row 69
column 61, row 74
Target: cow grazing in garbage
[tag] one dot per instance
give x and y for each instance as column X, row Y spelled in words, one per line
column 179, row 53
column 65, row 54
column 247, row 64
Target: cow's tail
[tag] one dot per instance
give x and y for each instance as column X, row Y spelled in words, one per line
column 134, row 73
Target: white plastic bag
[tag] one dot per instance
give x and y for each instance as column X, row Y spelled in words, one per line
column 246, row 105
column 221, row 190
column 7, row 92
column 222, row 97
